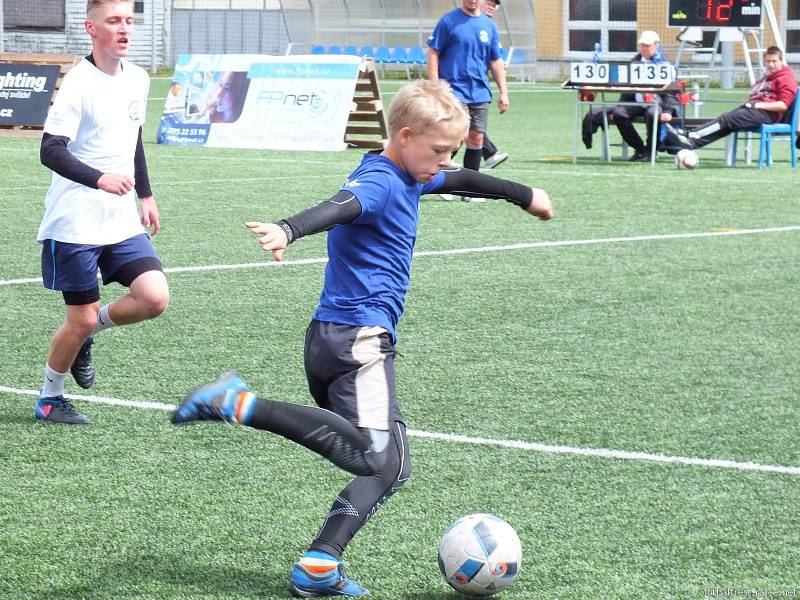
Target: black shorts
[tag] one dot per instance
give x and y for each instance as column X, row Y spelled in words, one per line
column 350, row 371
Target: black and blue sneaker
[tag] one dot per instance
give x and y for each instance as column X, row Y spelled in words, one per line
column 312, row 580
column 82, row 368
column 216, row 401
column 56, row 409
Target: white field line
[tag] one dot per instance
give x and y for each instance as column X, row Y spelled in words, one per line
column 464, row 439
column 537, row 171
column 455, row 251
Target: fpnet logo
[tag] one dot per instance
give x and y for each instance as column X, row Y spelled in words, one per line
column 315, row 103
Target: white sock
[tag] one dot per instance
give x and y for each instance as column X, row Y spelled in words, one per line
column 53, row 383
column 103, row 320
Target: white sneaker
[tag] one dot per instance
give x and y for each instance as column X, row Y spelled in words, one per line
column 473, row 200
column 447, row 197
column 495, row 159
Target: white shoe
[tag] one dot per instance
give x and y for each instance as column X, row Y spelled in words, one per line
column 473, row 200
column 447, row 197
column 495, row 159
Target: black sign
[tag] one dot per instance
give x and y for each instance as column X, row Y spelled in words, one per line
column 715, row 13
column 25, row 92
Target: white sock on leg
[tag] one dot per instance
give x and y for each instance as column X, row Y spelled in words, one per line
column 53, row 383
column 103, row 320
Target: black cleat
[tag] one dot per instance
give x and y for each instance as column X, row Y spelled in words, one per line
column 58, row 410
column 639, row 155
column 83, row 367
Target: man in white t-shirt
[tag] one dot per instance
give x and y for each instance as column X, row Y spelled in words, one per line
column 92, row 142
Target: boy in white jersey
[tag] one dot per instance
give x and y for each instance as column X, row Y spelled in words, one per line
column 350, row 343
column 92, row 142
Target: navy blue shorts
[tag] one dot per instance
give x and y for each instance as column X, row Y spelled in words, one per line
column 73, row 267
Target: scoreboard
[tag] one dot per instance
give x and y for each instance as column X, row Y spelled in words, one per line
column 715, row 13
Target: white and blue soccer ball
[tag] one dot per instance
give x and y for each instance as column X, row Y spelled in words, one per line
column 480, row 555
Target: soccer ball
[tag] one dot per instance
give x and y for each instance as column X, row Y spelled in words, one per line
column 686, row 159
column 480, row 555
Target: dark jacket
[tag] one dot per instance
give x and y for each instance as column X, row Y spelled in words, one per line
column 669, row 100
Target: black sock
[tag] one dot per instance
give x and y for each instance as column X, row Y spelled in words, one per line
column 472, row 159
column 319, row 430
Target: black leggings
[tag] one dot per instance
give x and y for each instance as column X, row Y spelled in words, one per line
column 362, row 498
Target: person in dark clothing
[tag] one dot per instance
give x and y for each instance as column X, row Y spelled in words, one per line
column 623, row 115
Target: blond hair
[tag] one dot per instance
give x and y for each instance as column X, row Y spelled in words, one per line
column 426, row 106
column 91, row 4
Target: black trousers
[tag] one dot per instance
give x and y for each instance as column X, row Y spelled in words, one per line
column 735, row 120
column 489, row 149
column 623, row 116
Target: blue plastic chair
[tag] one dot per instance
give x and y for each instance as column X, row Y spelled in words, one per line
column 382, row 55
column 773, row 132
column 350, row 50
column 416, row 56
column 334, row 49
column 318, row 49
column 398, row 56
column 366, row 52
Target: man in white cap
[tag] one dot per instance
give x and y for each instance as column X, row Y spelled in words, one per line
column 623, row 115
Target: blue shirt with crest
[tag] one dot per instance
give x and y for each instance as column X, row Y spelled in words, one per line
column 369, row 259
column 466, row 45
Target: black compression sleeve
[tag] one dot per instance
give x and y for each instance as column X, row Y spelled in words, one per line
column 55, row 156
column 341, row 208
column 465, row 182
column 141, row 177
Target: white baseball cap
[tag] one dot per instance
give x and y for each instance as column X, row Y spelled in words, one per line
column 649, row 38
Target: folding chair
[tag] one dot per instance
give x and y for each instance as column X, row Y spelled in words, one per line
column 773, row 132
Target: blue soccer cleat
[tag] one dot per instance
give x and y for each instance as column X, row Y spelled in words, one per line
column 56, row 409
column 315, row 581
column 82, row 368
column 218, row 401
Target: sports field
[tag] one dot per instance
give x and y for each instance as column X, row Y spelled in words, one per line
column 620, row 383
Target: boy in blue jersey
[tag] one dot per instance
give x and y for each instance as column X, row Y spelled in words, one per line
column 464, row 43
column 350, row 343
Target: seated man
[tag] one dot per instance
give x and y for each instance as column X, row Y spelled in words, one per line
column 622, row 116
column 770, row 98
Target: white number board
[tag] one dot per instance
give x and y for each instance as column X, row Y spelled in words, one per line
column 652, row 74
column 589, row 73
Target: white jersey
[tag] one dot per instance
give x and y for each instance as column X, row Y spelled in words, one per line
column 101, row 115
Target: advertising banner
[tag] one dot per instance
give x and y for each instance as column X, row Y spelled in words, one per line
column 25, row 93
column 257, row 101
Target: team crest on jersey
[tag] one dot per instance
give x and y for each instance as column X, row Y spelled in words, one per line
column 484, row 36
column 135, row 111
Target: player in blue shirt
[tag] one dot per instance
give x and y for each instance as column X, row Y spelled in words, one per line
column 350, row 343
column 463, row 45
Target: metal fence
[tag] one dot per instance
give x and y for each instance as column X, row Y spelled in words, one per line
column 168, row 28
